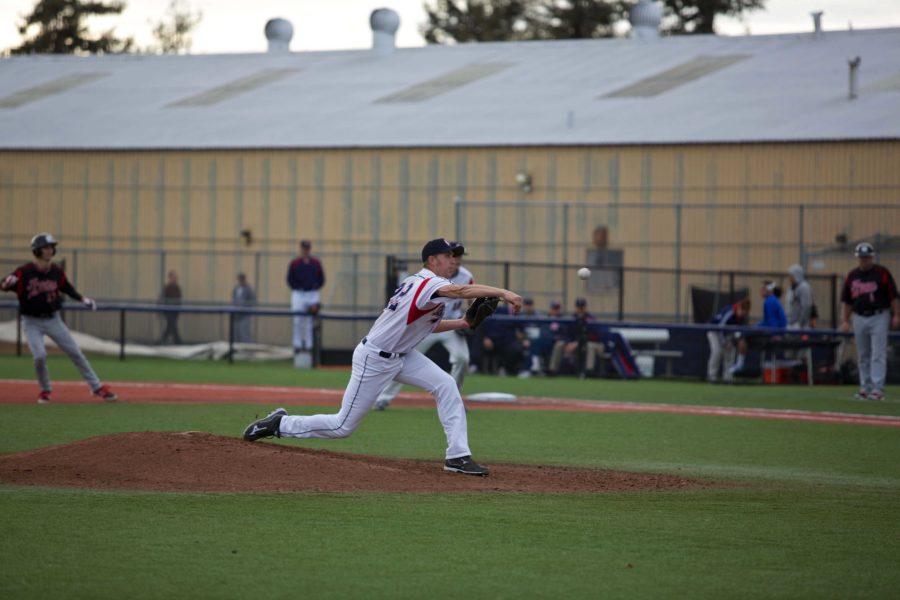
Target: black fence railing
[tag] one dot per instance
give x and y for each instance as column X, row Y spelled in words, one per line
column 683, row 353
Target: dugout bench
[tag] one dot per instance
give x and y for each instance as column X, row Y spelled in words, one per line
column 645, row 343
column 770, row 346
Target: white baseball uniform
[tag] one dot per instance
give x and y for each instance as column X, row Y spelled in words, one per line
column 456, row 345
column 303, row 301
column 388, row 353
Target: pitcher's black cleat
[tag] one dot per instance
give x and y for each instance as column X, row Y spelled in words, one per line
column 265, row 427
column 466, row 466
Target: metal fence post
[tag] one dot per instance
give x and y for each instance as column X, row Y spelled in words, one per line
column 230, row 337
column 801, row 242
column 457, row 215
column 621, row 293
column 162, row 268
column 257, row 258
column 834, row 301
column 354, row 285
column 317, row 340
column 78, row 325
column 122, row 334
column 678, row 262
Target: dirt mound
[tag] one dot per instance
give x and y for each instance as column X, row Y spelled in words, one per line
column 201, row 462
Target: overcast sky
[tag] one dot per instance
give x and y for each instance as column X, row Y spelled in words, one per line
column 237, row 25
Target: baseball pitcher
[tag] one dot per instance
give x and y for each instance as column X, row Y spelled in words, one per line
column 453, row 341
column 387, row 353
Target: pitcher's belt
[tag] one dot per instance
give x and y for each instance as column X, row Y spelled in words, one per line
column 384, row 354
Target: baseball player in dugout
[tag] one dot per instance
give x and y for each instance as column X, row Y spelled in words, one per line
column 869, row 298
column 305, row 277
column 39, row 286
column 453, row 341
column 388, row 353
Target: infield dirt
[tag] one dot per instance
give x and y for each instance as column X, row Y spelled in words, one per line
column 202, row 462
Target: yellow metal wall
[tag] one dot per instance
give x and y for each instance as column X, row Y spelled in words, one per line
column 377, row 201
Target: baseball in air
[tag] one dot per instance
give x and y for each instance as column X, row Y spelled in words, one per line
column 584, row 273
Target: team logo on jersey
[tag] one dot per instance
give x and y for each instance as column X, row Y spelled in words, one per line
column 37, row 286
column 860, row 288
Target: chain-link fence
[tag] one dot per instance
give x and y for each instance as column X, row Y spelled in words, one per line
column 696, row 236
column 612, row 294
column 650, row 257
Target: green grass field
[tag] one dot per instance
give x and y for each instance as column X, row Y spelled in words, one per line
column 813, row 510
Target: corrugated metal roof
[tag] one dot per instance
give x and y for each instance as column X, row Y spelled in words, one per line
column 229, row 90
column 676, row 76
column 57, row 86
column 445, row 83
column 785, row 87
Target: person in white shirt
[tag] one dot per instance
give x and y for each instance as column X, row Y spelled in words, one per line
column 387, row 353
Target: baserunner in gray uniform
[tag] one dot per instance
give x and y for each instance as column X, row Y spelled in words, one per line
column 39, row 286
column 870, row 294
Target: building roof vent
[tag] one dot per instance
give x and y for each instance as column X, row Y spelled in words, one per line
column 645, row 17
column 385, row 23
column 279, row 33
column 817, row 22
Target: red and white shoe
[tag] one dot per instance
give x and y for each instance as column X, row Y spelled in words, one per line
column 104, row 392
column 876, row 395
column 44, row 397
column 862, row 394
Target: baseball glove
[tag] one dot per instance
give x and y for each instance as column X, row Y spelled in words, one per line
column 480, row 310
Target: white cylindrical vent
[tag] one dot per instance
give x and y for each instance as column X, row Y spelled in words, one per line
column 385, row 23
column 645, row 17
column 279, row 33
column 854, row 63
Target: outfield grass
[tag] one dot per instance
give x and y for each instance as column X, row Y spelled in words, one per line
column 720, row 544
column 813, row 511
column 800, row 397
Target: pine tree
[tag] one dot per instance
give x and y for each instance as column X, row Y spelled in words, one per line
column 698, row 16
column 175, row 35
column 508, row 20
column 58, row 27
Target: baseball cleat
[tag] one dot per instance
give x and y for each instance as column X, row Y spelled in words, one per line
column 876, row 395
column 44, row 398
column 466, row 466
column 381, row 404
column 107, row 394
column 861, row 395
column 265, row 427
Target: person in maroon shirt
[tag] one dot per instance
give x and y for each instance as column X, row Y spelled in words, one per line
column 870, row 296
column 305, row 277
column 39, row 286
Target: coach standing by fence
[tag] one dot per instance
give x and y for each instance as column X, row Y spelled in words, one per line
column 870, row 295
column 305, row 277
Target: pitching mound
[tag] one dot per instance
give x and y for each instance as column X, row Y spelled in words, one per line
column 202, row 462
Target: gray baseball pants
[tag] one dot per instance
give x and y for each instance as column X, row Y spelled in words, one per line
column 720, row 351
column 56, row 330
column 871, row 349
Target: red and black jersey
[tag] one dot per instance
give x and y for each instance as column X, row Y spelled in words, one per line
column 869, row 291
column 40, row 292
